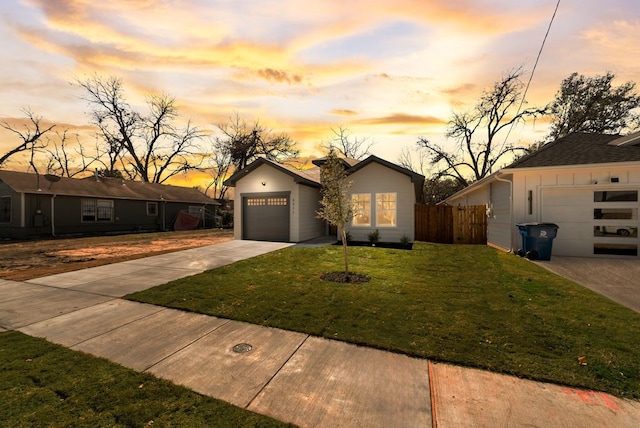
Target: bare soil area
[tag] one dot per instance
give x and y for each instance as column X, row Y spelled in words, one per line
column 20, row 261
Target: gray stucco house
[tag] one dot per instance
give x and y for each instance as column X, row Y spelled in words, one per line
column 276, row 202
column 44, row 205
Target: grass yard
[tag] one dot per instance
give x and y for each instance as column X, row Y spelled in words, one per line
column 468, row 305
column 43, row 384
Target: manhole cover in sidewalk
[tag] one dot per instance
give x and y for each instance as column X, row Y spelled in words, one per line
column 242, row 348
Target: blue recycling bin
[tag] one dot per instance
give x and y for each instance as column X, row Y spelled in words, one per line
column 537, row 240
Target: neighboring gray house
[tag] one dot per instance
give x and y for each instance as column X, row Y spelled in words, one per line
column 587, row 184
column 275, row 202
column 39, row 205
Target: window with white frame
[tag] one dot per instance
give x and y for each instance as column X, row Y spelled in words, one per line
column 361, row 209
column 96, row 210
column 5, row 209
column 152, row 208
column 386, row 209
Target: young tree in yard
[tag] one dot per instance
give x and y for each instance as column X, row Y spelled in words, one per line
column 29, row 136
column 149, row 146
column 592, row 104
column 335, row 205
column 478, row 133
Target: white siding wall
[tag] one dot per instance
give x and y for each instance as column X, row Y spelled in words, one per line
column 565, row 196
column 375, row 178
column 306, row 206
column 500, row 224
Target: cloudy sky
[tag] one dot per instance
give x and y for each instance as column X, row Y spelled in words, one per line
column 391, row 71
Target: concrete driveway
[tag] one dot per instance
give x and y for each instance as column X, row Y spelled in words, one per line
column 617, row 279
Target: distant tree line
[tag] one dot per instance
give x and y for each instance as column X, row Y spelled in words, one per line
column 149, row 145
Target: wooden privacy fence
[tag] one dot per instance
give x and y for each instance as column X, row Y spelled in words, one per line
column 451, row 224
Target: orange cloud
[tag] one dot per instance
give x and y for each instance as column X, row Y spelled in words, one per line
column 343, row 112
column 403, row 119
column 279, row 76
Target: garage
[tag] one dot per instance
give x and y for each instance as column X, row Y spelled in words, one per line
column 593, row 222
column 265, row 217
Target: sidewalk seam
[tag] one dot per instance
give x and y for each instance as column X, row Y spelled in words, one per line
column 432, row 392
column 295, row 351
column 187, row 345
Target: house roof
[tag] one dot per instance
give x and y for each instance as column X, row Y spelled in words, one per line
column 308, row 177
column 415, row 177
column 348, row 162
column 311, row 177
column 574, row 149
column 581, row 149
column 103, row 187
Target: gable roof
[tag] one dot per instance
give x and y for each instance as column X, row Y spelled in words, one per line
column 581, row 149
column 104, row 187
column 311, row 177
column 415, row 177
column 308, row 177
column 347, row 162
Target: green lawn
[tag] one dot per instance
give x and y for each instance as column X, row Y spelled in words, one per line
column 42, row 384
column 469, row 305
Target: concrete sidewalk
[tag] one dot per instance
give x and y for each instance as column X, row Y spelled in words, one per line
column 294, row 377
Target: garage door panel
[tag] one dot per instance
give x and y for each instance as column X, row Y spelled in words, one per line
column 266, row 217
column 581, row 217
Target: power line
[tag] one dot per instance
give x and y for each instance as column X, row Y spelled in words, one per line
column 533, row 70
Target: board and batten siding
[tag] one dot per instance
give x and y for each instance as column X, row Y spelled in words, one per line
column 500, row 224
column 565, row 196
column 376, row 178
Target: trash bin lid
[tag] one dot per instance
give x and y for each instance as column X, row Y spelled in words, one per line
column 536, row 224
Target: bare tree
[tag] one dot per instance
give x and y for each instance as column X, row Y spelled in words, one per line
column 150, row 146
column 29, row 136
column 246, row 143
column 436, row 188
column 347, row 145
column 62, row 160
column 219, row 167
column 407, row 159
column 477, row 133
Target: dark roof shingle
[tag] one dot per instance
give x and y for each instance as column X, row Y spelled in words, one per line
column 579, row 149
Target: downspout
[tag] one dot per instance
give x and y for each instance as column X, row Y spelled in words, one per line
column 53, row 215
column 164, row 210
column 511, row 223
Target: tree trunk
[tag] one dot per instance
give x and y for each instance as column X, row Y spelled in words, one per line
column 343, row 235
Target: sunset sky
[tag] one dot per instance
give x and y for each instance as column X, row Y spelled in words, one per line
column 391, row 71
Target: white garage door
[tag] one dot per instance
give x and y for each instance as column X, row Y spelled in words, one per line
column 593, row 222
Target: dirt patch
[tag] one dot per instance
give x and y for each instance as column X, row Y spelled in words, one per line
column 20, row 261
column 341, row 277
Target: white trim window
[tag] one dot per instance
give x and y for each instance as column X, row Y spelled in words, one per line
column 96, row 210
column 386, row 209
column 361, row 209
column 5, row 209
column 152, row 209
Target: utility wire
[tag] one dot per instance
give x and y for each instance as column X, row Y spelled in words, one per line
column 533, row 70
